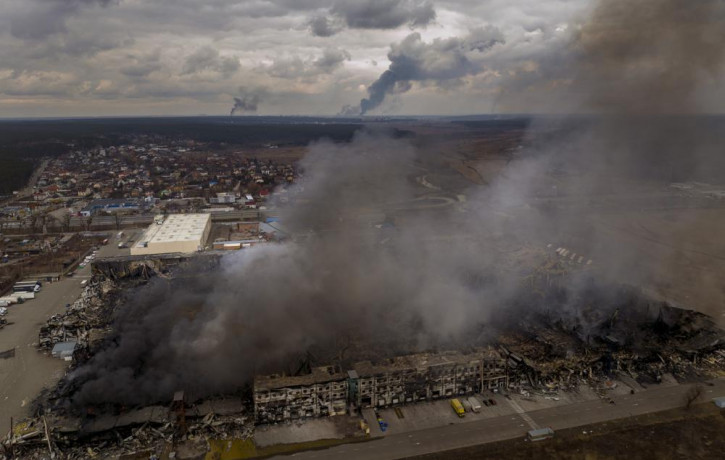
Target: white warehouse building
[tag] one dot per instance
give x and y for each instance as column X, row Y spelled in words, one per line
column 177, row 233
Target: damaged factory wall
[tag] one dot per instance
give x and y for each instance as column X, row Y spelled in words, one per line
column 404, row 379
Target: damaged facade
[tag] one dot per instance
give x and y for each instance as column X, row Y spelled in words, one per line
column 403, row 379
column 322, row 392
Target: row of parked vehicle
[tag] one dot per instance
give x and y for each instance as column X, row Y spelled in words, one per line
column 470, row 404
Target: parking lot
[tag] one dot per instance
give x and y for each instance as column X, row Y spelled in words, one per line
column 24, row 373
column 432, row 414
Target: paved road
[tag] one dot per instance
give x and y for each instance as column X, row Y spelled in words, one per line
column 511, row 426
column 24, row 376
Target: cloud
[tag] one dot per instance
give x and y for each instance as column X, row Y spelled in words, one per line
column 143, row 66
column 331, row 59
column 305, row 69
column 323, row 26
column 384, row 14
column 208, row 58
column 37, row 19
column 105, row 41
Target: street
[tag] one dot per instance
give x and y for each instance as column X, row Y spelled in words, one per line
column 511, row 426
column 23, row 376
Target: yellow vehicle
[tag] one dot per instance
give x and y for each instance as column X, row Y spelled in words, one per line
column 458, row 408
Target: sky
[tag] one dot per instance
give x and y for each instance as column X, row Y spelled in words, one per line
column 287, row 57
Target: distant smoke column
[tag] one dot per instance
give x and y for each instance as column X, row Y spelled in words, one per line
column 246, row 103
column 377, row 91
column 438, row 61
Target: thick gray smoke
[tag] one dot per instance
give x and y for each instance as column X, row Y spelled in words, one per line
column 436, row 279
column 341, row 279
column 442, row 60
column 248, row 102
column 642, row 71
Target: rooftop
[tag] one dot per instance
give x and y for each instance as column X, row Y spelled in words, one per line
column 423, row 361
column 322, row 374
column 176, row 227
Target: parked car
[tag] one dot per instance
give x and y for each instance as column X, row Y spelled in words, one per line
column 3, row 311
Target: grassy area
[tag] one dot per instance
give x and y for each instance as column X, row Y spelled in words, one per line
column 697, row 433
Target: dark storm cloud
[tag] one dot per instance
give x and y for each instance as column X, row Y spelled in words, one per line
column 372, row 14
column 438, row 61
column 38, row 19
column 384, row 14
column 323, row 26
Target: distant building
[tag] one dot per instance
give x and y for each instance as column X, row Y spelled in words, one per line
column 400, row 380
column 111, row 205
column 178, row 233
column 223, row 198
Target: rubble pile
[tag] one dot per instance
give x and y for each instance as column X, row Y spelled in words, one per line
column 150, row 430
column 83, row 321
column 557, row 356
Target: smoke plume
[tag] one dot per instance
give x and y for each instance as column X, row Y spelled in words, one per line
column 643, row 73
column 442, row 60
column 247, row 102
column 340, row 280
column 431, row 277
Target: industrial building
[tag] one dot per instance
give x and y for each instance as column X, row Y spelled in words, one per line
column 322, row 392
column 400, row 380
column 112, row 205
column 182, row 233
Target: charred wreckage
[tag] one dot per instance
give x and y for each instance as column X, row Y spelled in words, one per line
column 541, row 352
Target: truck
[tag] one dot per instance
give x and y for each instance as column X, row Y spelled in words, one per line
column 23, row 295
column 458, row 408
column 475, row 404
column 540, row 434
column 26, row 287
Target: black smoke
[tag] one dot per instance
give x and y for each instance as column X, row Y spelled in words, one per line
column 248, row 102
column 442, row 60
column 436, row 279
column 341, row 279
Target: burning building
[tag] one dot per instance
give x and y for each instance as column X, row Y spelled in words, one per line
column 399, row 380
column 322, row 392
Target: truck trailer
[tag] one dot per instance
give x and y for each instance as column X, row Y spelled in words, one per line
column 475, row 404
column 458, row 407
